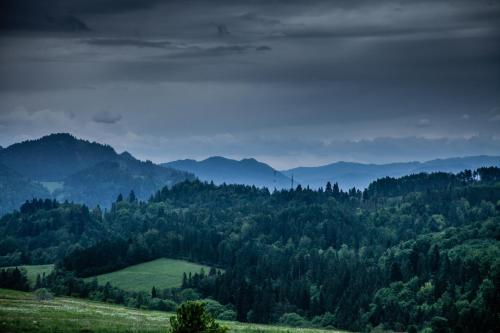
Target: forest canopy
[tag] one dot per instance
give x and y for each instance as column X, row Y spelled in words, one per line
column 421, row 251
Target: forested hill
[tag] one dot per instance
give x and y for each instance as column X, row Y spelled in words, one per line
column 416, row 252
column 223, row 170
column 63, row 167
column 103, row 182
column 360, row 175
column 54, row 157
column 15, row 189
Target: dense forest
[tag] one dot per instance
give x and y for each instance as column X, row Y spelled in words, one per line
column 421, row 252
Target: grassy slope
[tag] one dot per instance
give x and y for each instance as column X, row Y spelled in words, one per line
column 160, row 273
column 19, row 312
column 33, row 270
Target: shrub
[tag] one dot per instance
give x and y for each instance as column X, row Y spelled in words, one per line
column 326, row 320
column 189, row 295
column 191, row 317
column 43, row 294
column 292, row 319
column 213, row 307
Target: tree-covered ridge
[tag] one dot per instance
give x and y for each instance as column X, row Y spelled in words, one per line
column 85, row 172
column 99, row 184
column 55, row 156
column 224, row 170
column 421, row 250
column 15, row 189
column 43, row 231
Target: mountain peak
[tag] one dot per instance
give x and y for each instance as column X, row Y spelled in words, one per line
column 127, row 155
column 54, row 156
column 247, row 171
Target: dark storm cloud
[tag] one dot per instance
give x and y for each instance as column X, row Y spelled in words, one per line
column 217, row 51
column 49, row 15
column 127, row 42
column 339, row 73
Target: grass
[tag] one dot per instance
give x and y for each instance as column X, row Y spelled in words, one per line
column 20, row 312
column 160, row 273
column 33, row 270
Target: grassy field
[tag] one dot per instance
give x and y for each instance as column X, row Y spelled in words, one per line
column 160, row 273
column 33, row 270
column 20, row 312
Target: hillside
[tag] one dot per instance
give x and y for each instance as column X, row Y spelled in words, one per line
column 15, row 189
column 103, row 182
column 418, row 245
column 160, row 273
column 223, row 170
column 21, row 312
column 359, row 175
column 64, row 167
column 54, row 157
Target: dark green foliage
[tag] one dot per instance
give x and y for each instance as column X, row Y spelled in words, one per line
column 412, row 251
column 191, row 317
column 42, row 231
column 13, row 278
column 293, row 319
column 490, row 174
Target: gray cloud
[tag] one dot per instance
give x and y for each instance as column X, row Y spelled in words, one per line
column 217, row 51
column 106, row 117
column 222, row 30
column 123, row 42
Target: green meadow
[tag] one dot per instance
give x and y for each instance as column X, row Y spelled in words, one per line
column 161, row 273
column 20, row 312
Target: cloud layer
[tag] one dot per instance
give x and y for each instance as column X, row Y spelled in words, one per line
column 254, row 75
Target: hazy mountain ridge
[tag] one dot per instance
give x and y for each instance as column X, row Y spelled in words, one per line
column 224, row 170
column 88, row 172
column 93, row 173
column 15, row 189
column 360, row 175
column 118, row 176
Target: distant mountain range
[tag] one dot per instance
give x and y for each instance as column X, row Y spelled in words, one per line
column 66, row 168
column 360, row 175
column 346, row 174
column 224, row 170
column 63, row 167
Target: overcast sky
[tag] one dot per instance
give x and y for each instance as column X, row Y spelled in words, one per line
column 288, row 82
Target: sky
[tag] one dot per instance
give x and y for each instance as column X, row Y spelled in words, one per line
column 288, row 82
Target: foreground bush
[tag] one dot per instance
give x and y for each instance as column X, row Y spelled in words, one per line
column 43, row 294
column 191, row 317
